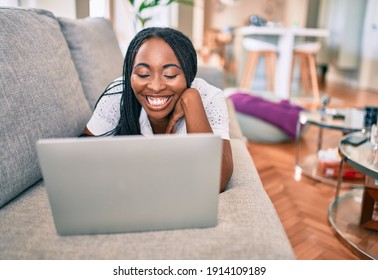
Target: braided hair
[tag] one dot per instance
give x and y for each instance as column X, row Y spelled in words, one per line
column 186, row 56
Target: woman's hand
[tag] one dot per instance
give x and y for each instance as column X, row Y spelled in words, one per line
column 176, row 115
column 190, row 106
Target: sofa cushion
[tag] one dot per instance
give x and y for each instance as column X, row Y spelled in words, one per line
column 98, row 66
column 211, row 74
column 40, row 94
column 257, row 130
column 264, row 119
column 282, row 114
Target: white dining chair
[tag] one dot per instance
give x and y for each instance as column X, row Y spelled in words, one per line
column 256, row 49
column 304, row 54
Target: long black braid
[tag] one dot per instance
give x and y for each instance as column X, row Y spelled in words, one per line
column 186, row 55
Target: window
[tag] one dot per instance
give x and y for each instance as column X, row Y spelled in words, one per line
column 99, row 8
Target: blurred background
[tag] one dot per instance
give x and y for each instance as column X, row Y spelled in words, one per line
column 349, row 55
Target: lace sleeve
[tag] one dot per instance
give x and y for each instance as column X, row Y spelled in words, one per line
column 107, row 112
column 215, row 106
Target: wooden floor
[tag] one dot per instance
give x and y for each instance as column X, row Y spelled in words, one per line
column 302, row 204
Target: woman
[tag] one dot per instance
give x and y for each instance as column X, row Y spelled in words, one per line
column 158, row 93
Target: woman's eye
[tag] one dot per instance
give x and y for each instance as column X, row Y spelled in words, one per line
column 170, row 76
column 143, row 76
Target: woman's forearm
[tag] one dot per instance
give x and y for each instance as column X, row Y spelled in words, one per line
column 227, row 165
column 195, row 115
column 197, row 122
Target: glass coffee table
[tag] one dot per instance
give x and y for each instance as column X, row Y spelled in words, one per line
column 346, row 120
column 354, row 215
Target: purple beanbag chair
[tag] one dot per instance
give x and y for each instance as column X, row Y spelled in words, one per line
column 282, row 114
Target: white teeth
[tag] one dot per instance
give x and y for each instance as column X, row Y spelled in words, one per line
column 157, row 101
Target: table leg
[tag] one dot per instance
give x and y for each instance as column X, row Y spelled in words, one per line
column 297, row 141
column 320, row 139
column 340, row 178
column 369, row 200
column 283, row 73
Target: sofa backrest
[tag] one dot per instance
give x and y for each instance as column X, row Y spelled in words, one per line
column 95, row 52
column 40, row 94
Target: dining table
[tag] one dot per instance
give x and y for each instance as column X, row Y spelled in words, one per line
column 287, row 37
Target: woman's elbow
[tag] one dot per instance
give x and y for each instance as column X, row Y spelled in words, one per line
column 227, row 165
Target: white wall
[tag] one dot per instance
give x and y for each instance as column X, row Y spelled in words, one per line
column 295, row 13
column 65, row 8
column 222, row 17
column 369, row 55
column 287, row 12
column 341, row 51
column 198, row 23
column 9, row 3
column 123, row 23
column 99, row 8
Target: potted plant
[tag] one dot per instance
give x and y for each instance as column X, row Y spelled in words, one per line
column 140, row 7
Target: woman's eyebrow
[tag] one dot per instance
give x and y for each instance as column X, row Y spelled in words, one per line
column 171, row 65
column 142, row 64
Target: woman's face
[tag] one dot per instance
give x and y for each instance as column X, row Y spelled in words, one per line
column 157, row 79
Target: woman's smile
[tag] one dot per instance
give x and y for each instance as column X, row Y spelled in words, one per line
column 158, row 102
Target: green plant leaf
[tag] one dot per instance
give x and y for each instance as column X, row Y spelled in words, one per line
column 148, row 4
column 186, row 2
column 154, row 3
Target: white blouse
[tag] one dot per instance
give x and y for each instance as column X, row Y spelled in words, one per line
column 107, row 112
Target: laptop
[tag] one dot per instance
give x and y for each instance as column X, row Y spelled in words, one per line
column 101, row 185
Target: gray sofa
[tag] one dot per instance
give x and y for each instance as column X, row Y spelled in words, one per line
column 52, row 71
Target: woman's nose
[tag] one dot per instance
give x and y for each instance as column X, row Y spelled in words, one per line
column 156, row 84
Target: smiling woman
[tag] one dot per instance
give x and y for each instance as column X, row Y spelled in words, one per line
column 158, row 93
column 158, row 82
